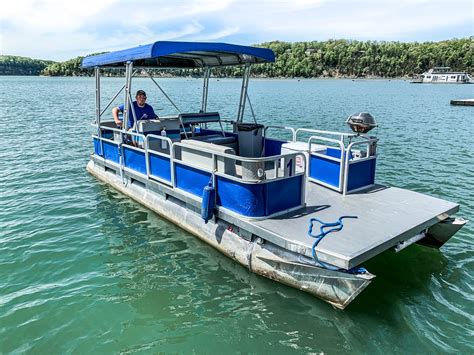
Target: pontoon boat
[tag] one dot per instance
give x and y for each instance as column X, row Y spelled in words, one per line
column 306, row 212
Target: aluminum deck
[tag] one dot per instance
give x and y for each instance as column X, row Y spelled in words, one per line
column 386, row 216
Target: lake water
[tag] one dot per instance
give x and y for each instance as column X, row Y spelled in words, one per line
column 85, row 269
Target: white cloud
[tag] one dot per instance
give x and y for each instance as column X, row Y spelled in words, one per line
column 59, row 30
column 225, row 32
column 364, row 19
column 51, row 15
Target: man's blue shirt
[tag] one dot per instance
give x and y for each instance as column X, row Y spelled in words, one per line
column 142, row 113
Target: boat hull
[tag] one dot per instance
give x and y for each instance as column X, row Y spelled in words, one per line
column 441, row 232
column 338, row 288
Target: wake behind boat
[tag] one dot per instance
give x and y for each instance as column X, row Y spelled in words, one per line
column 306, row 211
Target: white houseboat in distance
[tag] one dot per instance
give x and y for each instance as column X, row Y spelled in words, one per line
column 304, row 211
column 443, row 75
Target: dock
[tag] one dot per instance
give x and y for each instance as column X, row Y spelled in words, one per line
column 463, row 102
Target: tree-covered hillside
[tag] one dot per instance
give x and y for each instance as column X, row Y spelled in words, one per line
column 15, row 65
column 332, row 58
column 370, row 58
column 71, row 67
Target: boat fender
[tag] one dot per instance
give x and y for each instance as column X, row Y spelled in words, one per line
column 208, row 201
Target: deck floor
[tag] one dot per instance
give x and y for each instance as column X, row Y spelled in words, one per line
column 386, row 216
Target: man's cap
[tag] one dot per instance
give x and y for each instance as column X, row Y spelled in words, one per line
column 141, row 92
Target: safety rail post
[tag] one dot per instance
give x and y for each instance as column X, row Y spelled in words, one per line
column 147, row 162
column 303, row 184
column 172, row 151
column 205, row 89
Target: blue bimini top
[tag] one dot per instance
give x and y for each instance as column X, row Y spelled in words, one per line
column 182, row 55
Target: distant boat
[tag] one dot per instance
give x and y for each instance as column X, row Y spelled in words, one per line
column 443, row 75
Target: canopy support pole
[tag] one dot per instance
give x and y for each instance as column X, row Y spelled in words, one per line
column 205, row 88
column 163, row 91
column 97, row 95
column 110, row 102
column 243, row 93
column 117, row 94
column 251, row 109
column 97, row 108
column 132, row 110
column 128, row 86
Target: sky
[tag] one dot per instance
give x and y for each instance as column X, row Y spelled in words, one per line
column 60, row 30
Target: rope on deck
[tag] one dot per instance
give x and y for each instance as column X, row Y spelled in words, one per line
column 337, row 226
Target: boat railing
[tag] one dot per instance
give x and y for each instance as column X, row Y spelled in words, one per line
column 328, row 160
column 253, row 170
column 367, row 162
column 340, row 135
column 341, row 167
column 252, row 187
column 290, row 129
column 325, row 165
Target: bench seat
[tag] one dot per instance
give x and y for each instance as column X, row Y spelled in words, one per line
column 190, row 153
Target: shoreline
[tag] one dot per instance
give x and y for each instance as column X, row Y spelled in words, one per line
column 371, row 78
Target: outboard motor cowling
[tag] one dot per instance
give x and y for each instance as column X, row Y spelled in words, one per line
column 361, row 122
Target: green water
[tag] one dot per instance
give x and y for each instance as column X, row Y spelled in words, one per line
column 85, row 269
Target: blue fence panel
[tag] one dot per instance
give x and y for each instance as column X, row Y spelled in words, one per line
column 259, row 200
column 111, row 151
column 273, row 147
column 190, row 179
column 160, row 166
column 134, row 159
column 245, row 199
column 283, row 194
column 325, row 170
column 361, row 174
column 97, row 147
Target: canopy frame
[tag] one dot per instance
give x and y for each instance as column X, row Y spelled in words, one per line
column 171, row 54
